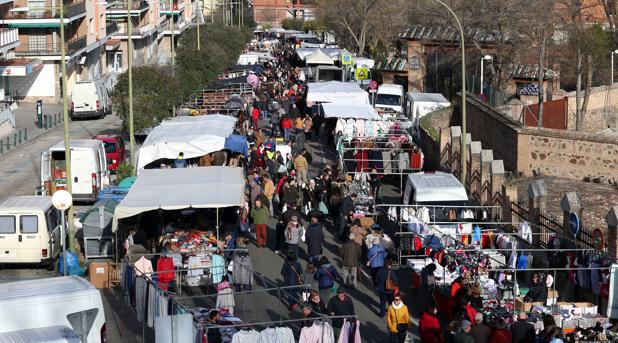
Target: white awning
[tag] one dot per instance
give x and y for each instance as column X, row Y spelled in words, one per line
column 356, row 111
column 319, row 57
column 337, row 91
column 193, row 136
column 176, row 189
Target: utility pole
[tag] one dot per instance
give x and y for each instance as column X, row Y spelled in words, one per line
column 198, row 15
column 67, row 138
column 212, row 11
column 172, row 28
column 130, row 66
column 464, row 133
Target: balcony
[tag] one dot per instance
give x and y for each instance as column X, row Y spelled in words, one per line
column 176, row 8
column 179, row 27
column 71, row 12
column 137, row 32
column 122, row 7
column 8, row 37
column 111, row 28
column 53, row 49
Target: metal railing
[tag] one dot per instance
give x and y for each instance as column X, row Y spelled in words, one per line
column 8, row 36
column 110, row 28
column 52, row 12
column 52, row 49
column 136, row 5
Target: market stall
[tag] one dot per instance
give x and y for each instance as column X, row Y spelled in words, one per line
column 336, row 91
column 194, row 136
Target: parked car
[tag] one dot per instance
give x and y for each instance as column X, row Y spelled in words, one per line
column 29, row 231
column 114, row 150
column 67, row 301
column 90, row 99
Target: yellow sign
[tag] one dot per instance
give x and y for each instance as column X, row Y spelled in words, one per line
column 362, row 74
column 346, row 59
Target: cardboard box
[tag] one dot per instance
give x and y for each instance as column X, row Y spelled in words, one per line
column 584, row 308
column 99, row 273
column 520, row 305
column 552, row 294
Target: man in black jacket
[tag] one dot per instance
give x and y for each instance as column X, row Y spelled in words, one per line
column 347, row 209
column 522, row 331
column 315, row 239
column 340, row 305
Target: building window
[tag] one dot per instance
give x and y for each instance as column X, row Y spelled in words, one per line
column 37, row 41
column 91, row 26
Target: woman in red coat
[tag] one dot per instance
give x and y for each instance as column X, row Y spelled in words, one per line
column 429, row 326
column 501, row 334
column 255, row 116
column 286, row 126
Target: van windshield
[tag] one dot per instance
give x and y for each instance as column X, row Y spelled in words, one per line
column 110, row 147
column 388, row 99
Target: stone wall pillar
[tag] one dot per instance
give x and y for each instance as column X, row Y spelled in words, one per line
column 509, row 195
column 611, row 240
column 571, row 202
column 496, row 170
column 537, row 203
column 445, row 144
column 455, row 154
column 474, row 174
column 487, row 155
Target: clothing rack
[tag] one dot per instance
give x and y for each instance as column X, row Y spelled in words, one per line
column 322, row 318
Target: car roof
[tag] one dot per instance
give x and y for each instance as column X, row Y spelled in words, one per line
column 78, row 143
column 27, row 202
column 34, row 287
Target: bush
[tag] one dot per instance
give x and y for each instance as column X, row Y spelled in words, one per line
column 123, row 171
column 293, row 24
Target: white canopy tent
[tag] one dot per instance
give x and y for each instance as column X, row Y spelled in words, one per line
column 347, row 111
column 319, row 57
column 193, row 136
column 176, row 189
column 337, row 92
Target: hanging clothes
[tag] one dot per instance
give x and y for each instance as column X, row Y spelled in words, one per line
column 143, row 266
column 476, row 237
column 317, row 333
column 277, row 335
column 350, row 332
column 362, row 160
column 217, row 268
column 165, row 272
column 521, row 261
column 246, row 336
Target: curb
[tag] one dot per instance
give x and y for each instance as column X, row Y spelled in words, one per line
column 20, row 136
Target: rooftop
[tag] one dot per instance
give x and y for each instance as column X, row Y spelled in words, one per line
column 441, row 34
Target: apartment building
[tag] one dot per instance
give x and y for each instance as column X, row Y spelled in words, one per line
column 37, row 56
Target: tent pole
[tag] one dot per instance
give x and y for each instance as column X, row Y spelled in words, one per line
column 217, row 224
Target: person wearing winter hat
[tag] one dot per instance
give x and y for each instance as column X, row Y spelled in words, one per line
column 464, row 336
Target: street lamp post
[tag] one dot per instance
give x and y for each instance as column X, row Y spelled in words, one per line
column 172, row 28
column 65, row 115
column 198, row 14
column 63, row 200
column 612, row 77
column 463, row 93
column 130, row 75
column 483, row 59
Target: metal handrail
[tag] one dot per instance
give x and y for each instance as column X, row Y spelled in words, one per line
column 49, row 12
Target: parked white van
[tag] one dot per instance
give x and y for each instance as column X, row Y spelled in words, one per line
column 434, row 188
column 69, row 301
column 90, row 99
column 89, row 170
column 30, row 229
column 55, row 334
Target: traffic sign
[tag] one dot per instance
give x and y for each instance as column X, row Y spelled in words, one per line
column 373, row 84
column 346, row 59
column 362, row 74
column 574, row 223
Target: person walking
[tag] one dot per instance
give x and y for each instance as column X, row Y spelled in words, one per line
column 375, row 260
column 260, row 215
column 314, row 306
column 351, row 254
column 481, row 331
column 346, row 211
column 315, row 239
column 429, row 326
column 501, row 334
column 255, row 116
column 325, row 276
column 398, row 320
column 269, row 191
column 387, row 285
column 521, row 330
column 464, row 336
column 428, row 285
column 286, row 127
column 308, row 277
column 301, row 166
column 290, row 271
column 293, row 234
column 340, row 305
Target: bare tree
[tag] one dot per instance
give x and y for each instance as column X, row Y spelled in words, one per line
column 358, row 22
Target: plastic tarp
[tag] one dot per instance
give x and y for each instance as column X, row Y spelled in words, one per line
column 346, row 111
column 237, row 143
column 176, row 189
column 194, row 136
column 337, row 92
column 98, row 218
column 304, row 52
column 319, row 57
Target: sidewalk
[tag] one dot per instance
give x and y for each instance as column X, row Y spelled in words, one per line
column 25, row 117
